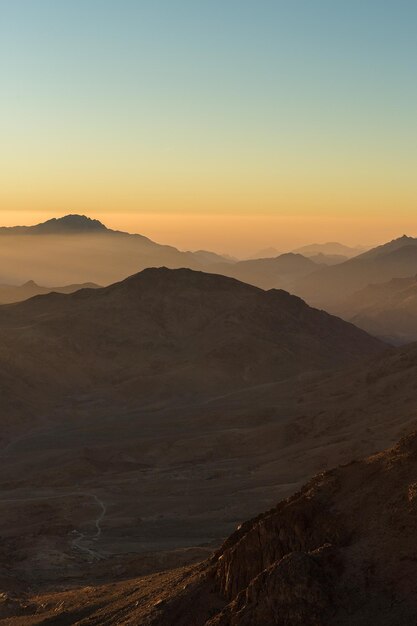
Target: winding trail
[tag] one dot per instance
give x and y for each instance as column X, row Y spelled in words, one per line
column 77, row 542
column 80, row 537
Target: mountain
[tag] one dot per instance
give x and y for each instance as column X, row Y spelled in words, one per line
column 265, row 253
column 332, row 287
column 386, row 309
column 152, row 415
column 339, row 551
column 69, row 224
column 391, row 246
column 77, row 249
column 191, row 332
column 330, row 248
column 328, row 253
column 14, row 293
column 327, row 259
column 269, row 273
column 210, row 258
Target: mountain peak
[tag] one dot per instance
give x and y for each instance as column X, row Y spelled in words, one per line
column 66, row 225
column 72, row 223
column 30, row 284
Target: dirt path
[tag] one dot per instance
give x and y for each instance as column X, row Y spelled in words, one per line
column 77, row 542
column 80, row 537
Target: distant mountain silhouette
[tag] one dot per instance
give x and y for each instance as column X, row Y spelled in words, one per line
column 265, row 253
column 331, row 287
column 85, row 250
column 12, row 293
column 329, row 248
column 386, row 309
column 391, row 246
column 269, row 273
column 69, row 224
column 210, row 258
column 327, row 259
column 77, row 249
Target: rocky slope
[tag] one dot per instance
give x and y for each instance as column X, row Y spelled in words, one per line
column 339, row 552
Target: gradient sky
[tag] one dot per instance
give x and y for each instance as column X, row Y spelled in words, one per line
column 225, row 124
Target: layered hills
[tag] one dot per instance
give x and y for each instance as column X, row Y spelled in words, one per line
column 77, row 249
column 269, row 273
column 330, row 248
column 386, row 309
column 153, row 414
column 18, row 293
column 143, row 421
column 332, row 287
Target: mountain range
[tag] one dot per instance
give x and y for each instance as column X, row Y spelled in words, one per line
column 84, row 250
column 331, row 248
column 18, row 293
column 169, row 382
column 332, row 287
column 144, row 420
column 269, row 273
column 387, row 309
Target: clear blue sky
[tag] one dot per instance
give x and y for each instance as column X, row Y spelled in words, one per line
column 221, row 107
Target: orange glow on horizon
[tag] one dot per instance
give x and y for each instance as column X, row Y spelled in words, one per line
column 239, row 235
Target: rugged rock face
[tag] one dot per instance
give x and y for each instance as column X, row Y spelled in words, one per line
column 296, row 589
column 280, row 567
column 300, row 525
column 341, row 551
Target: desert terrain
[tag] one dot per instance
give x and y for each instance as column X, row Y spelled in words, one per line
column 144, row 421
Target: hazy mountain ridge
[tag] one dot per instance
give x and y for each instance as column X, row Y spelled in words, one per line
column 13, row 293
column 330, row 248
column 386, row 309
column 331, row 287
column 85, row 250
column 269, row 273
column 327, row 259
column 69, row 224
column 77, row 249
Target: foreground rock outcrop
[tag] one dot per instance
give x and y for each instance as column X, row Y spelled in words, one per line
column 341, row 551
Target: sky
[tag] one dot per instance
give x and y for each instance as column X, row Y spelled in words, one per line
column 230, row 125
